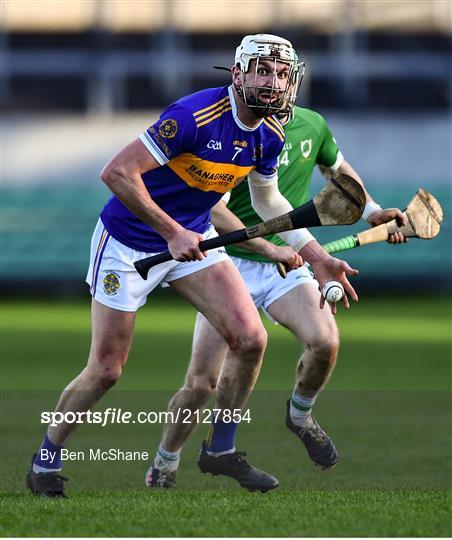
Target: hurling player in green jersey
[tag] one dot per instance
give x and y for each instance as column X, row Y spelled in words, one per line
column 293, row 302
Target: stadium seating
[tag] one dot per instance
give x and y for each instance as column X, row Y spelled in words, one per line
column 47, row 231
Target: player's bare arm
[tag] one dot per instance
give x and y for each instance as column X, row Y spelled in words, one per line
column 122, row 174
column 225, row 221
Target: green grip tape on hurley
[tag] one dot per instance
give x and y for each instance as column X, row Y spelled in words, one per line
column 349, row 242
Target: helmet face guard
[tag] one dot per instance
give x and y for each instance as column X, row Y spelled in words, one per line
column 264, row 50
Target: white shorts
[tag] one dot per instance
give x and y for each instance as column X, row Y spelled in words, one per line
column 114, row 281
column 264, row 283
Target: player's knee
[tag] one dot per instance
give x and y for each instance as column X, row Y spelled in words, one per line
column 326, row 346
column 333, row 342
column 251, row 342
column 255, row 341
column 106, row 368
column 108, row 376
column 200, row 389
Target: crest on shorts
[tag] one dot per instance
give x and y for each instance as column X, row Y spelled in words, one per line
column 111, row 283
column 168, row 128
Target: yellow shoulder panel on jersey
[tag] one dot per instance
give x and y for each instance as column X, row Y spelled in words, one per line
column 274, row 122
column 205, row 118
column 197, row 113
column 274, row 129
column 206, row 175
column 206, row 115
column 219, row 113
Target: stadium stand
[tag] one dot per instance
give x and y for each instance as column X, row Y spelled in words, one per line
column 106, row 56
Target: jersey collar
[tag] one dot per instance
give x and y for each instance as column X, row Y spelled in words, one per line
column 235, row 115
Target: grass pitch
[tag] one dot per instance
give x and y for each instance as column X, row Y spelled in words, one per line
column 387, row 408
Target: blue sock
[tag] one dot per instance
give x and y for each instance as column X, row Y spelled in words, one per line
column 49, row 455
column 221, row 436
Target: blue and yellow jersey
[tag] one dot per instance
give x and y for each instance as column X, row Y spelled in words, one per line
column 204, row 151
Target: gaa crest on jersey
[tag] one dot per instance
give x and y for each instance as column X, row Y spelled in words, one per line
column 306, row 147
column 111, row 283
column 168, row 128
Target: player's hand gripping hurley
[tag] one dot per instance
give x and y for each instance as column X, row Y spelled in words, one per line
column 341, row 202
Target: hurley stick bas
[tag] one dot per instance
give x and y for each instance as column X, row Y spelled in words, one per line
column 341, row 202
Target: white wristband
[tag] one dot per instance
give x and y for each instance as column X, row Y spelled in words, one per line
column 297, row 238
column 370, row 207
column 226, row 197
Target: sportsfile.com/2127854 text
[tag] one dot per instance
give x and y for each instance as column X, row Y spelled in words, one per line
column 111, row 415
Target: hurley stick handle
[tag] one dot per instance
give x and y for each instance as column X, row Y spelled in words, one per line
column 380, row 233
column 349, row 242
column 304, row 216
column 144, row 265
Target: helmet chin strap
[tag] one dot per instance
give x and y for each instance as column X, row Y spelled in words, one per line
column 239, row 91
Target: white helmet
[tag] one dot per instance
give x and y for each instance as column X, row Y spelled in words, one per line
column 278, row 50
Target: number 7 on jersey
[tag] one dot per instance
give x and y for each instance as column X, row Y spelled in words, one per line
column 237, row 152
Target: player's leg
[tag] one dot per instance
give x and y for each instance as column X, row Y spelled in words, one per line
column 112, row 332
column 221, row 295
column 117, row 292
column 208, row 352
column 294, row 302
column 298, row 310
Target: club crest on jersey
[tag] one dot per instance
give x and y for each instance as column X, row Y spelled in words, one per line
column 306, row 147
column 168, row 129
column 111, row 283
column 258, row 152
column 242, row 144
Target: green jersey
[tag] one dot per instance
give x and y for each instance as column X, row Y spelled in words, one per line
column 309, row 142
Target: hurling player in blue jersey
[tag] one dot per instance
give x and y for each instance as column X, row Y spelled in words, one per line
column 165, row 184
